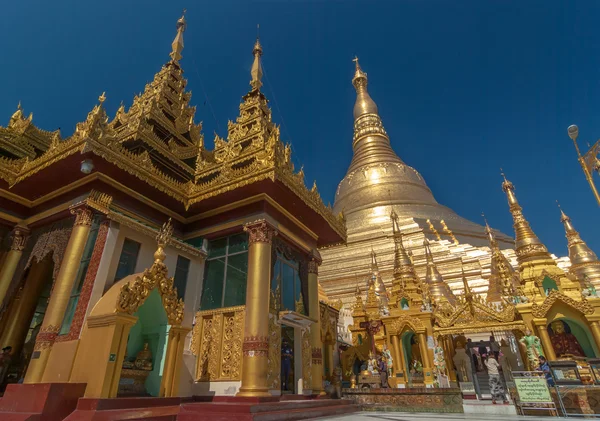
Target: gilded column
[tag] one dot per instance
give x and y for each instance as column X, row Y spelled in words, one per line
column 399, row 365
column 23, row 306
column 425, row 356
column 316, row 343
column 595, row 326
column 255, row 346
column 19, row 237
column 449, row 354
column 546, row 343
column 61, row 293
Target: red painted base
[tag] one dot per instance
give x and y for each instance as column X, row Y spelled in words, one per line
column 40, row 402
column 217, row 408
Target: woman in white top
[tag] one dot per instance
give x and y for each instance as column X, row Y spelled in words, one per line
column 495, row 382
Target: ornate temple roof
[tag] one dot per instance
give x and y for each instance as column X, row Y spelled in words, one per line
column 378, row 179
column 156, row 150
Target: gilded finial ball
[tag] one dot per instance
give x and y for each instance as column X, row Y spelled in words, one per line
column 573, row 131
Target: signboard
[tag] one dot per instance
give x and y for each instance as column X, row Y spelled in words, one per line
column 532, row 387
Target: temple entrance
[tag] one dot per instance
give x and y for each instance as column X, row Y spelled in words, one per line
column 24, row 317
column 146, row 349
column 288, row 381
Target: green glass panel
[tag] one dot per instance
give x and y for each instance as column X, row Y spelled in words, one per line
column 237, row 273
column 197, row 242
column 69, row 314
column 128, row 259
column 217, row 248
column 182, row 270
column 237, row 243
column 298, row 291
column 212, row 289
column 287, row 296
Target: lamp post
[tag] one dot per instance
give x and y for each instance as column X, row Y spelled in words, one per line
column 589, row 161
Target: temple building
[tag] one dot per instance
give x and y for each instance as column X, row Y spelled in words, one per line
column 138, row 262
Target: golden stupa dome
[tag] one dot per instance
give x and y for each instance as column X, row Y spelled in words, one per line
column 378, row 180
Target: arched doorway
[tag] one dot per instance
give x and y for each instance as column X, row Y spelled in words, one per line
column 146, row 348
column 569, row 336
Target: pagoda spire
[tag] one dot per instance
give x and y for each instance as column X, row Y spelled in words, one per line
column 438, row 290
column 406, row 284
column 503, row 280
column 527, row 245
column 177, row 45
column 256, row 71
column 584, row 262
column 366, row 115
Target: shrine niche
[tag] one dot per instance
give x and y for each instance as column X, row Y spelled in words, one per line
column 115, row 319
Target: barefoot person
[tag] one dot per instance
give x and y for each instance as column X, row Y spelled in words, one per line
column 495, row 383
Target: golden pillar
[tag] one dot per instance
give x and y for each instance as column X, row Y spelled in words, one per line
column 11, row 260
column 425, row 356
column 255, row 346
column 173, row 361
column 546, row 343
column 61, row 293
column 23, row 307
column 449, row 355
column 316, row 344
column 595, row 327
column 400, row 365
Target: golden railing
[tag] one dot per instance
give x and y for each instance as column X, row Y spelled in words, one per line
column 217, row 342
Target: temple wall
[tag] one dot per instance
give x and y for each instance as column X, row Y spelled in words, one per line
column 215, row 388
column 60, row 362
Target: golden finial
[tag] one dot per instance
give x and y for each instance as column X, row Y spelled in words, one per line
column 256, row 71
column 102, row 98
column 177, row 45
column 360, row 78
column 165, row 233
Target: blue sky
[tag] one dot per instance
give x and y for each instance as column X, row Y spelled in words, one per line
column 463, row 88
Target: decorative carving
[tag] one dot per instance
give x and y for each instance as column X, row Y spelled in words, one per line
column 83, row 214
column 313, row 265
column 46, row 337
column 88, row 284
column 540, row 310
column 54, row 242
column 274, row 353
column 404, row 320
column 232, row 345
column 260, row 231
column 306, row 358
column 19, row 238
column 256, row 346
column 133, row 294
column 317, row 356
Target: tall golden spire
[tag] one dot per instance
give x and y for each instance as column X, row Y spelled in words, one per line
column 438, row 289
column 256, row 71
column 177, row 45
column 527, row 245
column 584, row 262
column 503, row 280
column 366, row 118
column 376, row 284
column 406, row 284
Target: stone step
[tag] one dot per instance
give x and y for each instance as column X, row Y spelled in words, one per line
column 237, row 407
column 266, row 412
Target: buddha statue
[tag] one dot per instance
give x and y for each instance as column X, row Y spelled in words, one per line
column 564, row 343
column 143, row 359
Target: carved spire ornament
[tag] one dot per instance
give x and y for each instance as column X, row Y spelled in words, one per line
column 527, row 245
column 439, row 291
column 256, row 71
column 406, row 284
column 584, row 262
column 503, row 281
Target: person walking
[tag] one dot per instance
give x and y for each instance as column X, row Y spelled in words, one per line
column 495, row 383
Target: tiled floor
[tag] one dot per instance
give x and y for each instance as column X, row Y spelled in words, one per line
column 390, row 416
